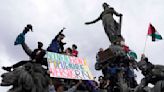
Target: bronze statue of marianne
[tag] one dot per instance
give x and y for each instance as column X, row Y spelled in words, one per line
column 111, row 27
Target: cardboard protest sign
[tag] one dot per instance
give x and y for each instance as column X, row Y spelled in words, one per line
column 63, row 66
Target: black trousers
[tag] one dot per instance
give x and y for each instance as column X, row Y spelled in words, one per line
column 43, row 62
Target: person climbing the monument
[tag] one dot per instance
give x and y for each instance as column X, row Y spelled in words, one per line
column 37, row 56
column 98, row 64
column 74, row 50
column 130, row 75
column 57, row 45
column 31, row 76
column 111, row 27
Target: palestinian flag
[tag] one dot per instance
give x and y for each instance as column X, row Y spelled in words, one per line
column 153, row 33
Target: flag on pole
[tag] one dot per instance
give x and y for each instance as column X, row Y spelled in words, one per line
column 153, row 33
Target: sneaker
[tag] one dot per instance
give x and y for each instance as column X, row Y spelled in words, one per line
column 7, row 68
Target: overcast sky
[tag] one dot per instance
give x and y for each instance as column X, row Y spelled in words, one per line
column 49, row 16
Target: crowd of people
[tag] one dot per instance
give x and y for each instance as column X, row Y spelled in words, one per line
column 119, row 67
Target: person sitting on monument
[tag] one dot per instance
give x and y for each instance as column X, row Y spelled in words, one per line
column 111, row 27
column 57, row 45
column 37, row 56
column 74, row 50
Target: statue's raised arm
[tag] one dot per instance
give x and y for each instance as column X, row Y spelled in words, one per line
column 94, row 21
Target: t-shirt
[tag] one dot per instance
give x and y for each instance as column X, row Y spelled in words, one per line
column 75, row 53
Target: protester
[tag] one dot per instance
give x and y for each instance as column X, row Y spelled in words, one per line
column 37, row 56
column 57, row 45
column 99, row 64
column 97, row 55
column 74, row 50
column 131, row 76
column 68, row 51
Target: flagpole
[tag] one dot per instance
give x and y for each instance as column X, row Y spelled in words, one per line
column 145, row 44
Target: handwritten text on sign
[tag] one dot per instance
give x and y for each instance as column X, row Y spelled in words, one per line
column 63, row 66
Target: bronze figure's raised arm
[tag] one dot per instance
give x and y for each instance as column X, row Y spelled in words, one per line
column 94, row 21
